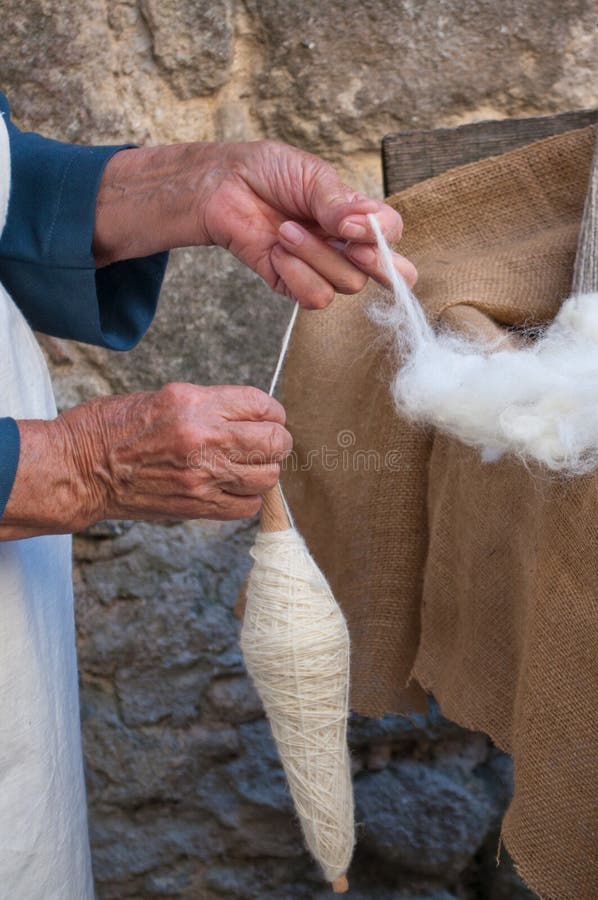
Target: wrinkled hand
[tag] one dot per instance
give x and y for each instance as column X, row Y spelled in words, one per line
column 287, row 215
column 284, row 213
column 183, row 452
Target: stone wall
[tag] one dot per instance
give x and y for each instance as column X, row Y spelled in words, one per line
column 186, row 795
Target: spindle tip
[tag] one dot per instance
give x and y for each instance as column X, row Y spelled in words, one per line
column 340, row 885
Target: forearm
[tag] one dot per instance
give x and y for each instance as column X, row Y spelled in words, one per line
column 48, row 495
column 150, row 200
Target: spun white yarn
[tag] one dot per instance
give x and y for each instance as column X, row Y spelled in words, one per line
column 539, row 402
column 296, row 648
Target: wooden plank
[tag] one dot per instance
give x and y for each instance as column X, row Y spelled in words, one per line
column 412, row 156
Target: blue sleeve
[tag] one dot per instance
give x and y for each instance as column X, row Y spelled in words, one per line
column 9, row 458
column 47, row 265
column 46, row 260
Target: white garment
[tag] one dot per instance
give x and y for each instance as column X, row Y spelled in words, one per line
column 44, row 847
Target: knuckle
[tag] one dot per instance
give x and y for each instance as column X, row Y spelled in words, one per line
column 271, row 477
column 256, row 402
column 261, row 479
column 410, row 273
column 217, row 464
column 276, row 412
column 399, row 228
column 322, row 297
column 281, row 440
column 224, row 441
column 360, row 279
column 353, row 283
column 308, row 303
column 275, row 441
column 175, row 393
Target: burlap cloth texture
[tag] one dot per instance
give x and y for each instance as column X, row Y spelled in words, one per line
column 475, row 581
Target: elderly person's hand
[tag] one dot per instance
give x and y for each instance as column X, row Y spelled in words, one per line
column 184, row 452
column 189, row 452
column 283, row 212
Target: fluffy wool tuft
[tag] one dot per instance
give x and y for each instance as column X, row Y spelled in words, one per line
column 539, row 402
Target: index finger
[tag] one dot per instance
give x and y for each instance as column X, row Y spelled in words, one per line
column 342, row 212
column 247, row 404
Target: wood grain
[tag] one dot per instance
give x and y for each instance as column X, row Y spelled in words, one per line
column 273, row 515
column 412, row 156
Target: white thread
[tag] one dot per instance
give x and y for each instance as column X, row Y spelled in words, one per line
column 585, row 274
column 539, row 402
column 283, row 350
column 296, row 647
column 277, row 371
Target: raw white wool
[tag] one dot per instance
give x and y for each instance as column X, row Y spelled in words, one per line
column 538, row 401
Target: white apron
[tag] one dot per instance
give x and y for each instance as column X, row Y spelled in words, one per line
column 44, row 849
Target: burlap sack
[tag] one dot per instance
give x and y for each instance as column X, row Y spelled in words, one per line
column 478, row 582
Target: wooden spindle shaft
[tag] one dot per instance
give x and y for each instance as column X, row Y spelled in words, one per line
column 273, row 515
column 340, row 885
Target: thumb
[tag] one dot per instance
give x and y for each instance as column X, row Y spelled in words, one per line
column 342, row 212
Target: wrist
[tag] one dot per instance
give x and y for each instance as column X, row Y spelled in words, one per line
column 153, row 199
column 85, row 437
column 49, row 494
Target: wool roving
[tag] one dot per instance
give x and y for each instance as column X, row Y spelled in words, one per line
column 537, row 400
column 296, row 648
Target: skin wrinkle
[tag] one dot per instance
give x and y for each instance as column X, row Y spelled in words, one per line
column 117, row 457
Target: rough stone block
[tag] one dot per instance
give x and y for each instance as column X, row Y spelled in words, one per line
column 336, row 81
column 417, row 818
column 193, row 43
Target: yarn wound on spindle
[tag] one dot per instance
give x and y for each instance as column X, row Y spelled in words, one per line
column 296, row 649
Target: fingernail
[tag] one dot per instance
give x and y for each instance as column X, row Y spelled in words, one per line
column 353, row 231
column 365, row 256
column 291, row 233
